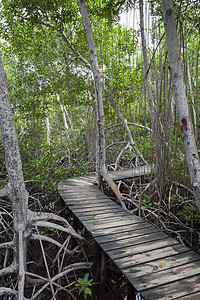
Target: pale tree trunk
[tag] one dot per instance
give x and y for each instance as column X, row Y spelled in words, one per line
column 180, row 98
column 24, row 220
column 64, row 116
column 101, row 155
column 15, row 189
column 48, row 127
column 191, row 95
column 161, row 167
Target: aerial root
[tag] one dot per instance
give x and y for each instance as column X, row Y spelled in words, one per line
column 7, row 291
column 68, row 269
column 12, row 269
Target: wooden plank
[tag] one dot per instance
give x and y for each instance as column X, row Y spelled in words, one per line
column 194, row 296
column 83, row 196
column 84, row 199
column 141, row 230
column 129, row 173
column 161, row 263
column 165, row 277
column 101, row 217
column 174, row 290
column 92, row 217
column 129, row 262
column 141, row 248
column 100, row 232
column 97, row 211
column 92, row 226
column 98, row 204
column 104, row 223
column 93, row 210
column 134, row 238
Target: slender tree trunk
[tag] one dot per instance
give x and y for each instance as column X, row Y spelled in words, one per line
column 64, row 116
column 161, row 167
column 180, row 98
column 15, row 190
column 101, row 155
column 48, row 127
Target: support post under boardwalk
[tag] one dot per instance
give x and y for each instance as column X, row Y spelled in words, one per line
column 131, row 293
column 99, row 272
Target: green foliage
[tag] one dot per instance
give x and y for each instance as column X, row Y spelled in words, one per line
column 84, row 285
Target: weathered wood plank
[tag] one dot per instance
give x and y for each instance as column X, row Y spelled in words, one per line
column 141, row 230
column 86, row 198
column 101, row 232
column 93, row 210
column 194, row 296
column 141, row 248
column 96, row 204
column 83, row 196
column 103, row 217
column 132, row 261
column 131, row 264
column 99, row 217
column 161, row 263
column 173, row 259
column 108, row 222
column 174, row 290
column 129, row 173
column 165, row 277
column 133, row 238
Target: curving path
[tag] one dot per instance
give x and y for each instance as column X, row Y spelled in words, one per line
column 157, row 266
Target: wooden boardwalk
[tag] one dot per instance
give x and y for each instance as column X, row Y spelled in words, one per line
column 157, row 266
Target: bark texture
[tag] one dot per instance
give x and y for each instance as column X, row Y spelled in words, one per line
column 16, row 191
column 180, row 98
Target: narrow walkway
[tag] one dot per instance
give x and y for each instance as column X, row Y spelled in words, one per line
column 157, row 266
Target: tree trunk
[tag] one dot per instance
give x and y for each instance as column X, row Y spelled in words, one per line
column 101, row 155
column 48, row 127
column 180, row 98
column 161, row 166
column 16, row 191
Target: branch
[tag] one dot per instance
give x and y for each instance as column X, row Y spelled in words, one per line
column 41, row 280
column 70, row 231
column 7, row 291
column 130, row 123
column 7, row 245
column 128, row 132
column 120, row 154
column 113, row 186
column 38, row 216
column 5, row 191
column 62, row 33
column 12, row 269
column 52, row 241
